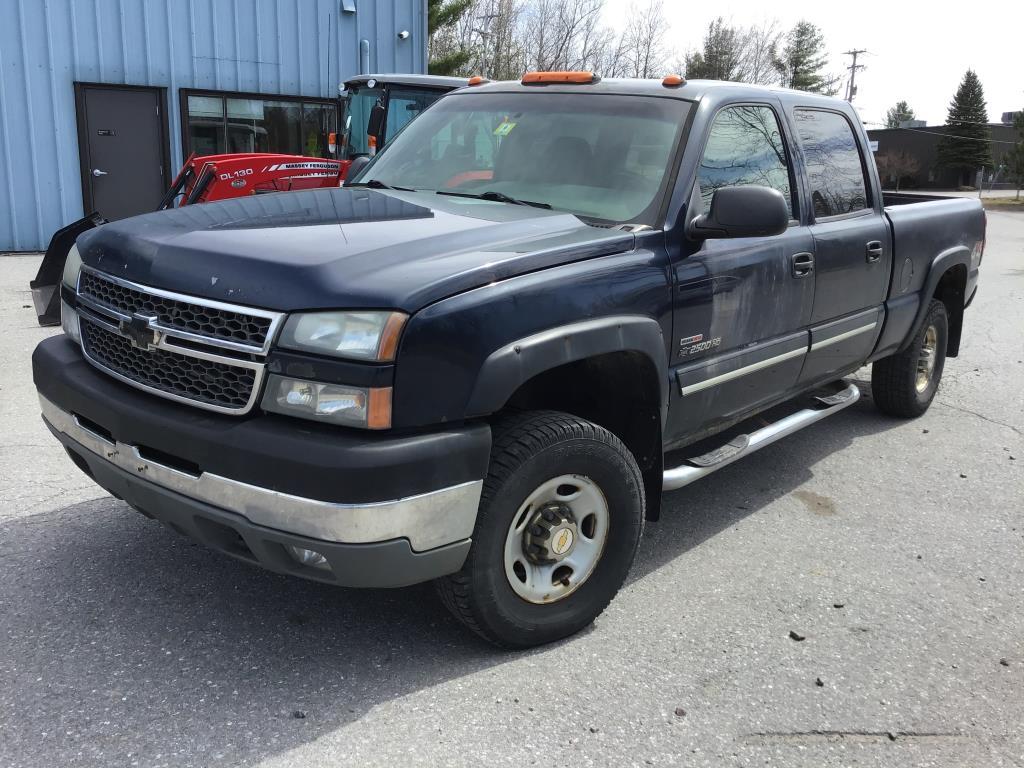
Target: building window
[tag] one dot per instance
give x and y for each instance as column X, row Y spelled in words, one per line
column 218, row 123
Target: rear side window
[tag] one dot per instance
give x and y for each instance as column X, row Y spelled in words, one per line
column 834, row 168
column 744, row 148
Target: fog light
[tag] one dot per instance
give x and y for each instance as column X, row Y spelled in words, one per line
column 308, row 557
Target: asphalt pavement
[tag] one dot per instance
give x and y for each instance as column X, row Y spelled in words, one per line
column 852, row 595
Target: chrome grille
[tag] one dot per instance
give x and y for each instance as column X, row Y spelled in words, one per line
column 194, row 350
column 214, row 383
column 210, row 320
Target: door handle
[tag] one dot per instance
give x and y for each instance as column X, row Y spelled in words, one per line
column 802, row 264
column 874, row 250
column 97, row 172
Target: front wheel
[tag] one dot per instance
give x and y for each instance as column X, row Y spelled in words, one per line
column 905, row 384
column 560, row 518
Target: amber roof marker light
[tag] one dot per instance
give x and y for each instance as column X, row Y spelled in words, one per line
column 563, row 78
column 673, row 81
column 478, row 80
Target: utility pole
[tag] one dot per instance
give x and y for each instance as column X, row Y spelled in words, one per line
column 851, row 88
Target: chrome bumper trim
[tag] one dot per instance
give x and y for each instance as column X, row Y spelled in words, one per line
column 428, row 520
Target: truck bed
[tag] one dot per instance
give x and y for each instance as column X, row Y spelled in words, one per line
column 925, row 226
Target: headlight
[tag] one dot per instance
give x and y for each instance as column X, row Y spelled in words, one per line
column 72, row 266
column 355, row 335
column 329, row 403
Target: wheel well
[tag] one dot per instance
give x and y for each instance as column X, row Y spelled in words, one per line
column 950, row 291
column 618, row 391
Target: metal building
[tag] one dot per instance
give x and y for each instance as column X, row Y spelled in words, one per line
column 137, row 85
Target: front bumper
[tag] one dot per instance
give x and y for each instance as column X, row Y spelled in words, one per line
column 391, row 540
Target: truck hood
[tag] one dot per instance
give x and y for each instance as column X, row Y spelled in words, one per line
column 341, row 248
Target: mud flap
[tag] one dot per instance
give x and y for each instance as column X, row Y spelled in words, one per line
column 45, row 293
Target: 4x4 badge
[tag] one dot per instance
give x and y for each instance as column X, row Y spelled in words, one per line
column 139, row 332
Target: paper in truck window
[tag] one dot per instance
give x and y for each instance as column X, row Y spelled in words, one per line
column 504, row 129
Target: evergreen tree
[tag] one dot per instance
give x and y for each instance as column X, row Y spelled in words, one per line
column 966, row 145
column 445, row 59
column 898, row 114
column 803, row 59
column 720, row 56
column 1015, row 157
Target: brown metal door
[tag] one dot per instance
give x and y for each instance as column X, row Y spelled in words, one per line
column 123, row 146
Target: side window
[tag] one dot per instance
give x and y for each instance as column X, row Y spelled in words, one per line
column 745, row 148
column 834, row 169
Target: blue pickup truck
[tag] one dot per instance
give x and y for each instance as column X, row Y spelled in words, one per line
column 483, row 360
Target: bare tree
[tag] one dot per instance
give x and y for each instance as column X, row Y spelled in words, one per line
column 644, row 40
column 508, row 37
column 760, row 49
column 894, row 166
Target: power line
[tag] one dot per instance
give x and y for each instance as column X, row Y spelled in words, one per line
column 953, row 136
column 851, row 87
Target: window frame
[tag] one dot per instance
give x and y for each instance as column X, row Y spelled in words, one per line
column 795, row 218
column 183, row 115
column 869, row 190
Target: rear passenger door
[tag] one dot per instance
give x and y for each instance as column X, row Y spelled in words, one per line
column 742, row 305
column 852, row 245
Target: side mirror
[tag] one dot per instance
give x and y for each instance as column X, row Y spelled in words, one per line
column 358, row 163
column 375, row 124
column 742, row 212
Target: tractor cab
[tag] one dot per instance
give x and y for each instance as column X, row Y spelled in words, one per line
column 375, row 107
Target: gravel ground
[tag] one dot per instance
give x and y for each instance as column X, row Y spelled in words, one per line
column 893, row 548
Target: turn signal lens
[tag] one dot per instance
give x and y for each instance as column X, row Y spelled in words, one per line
column 575, row 78
column 379, row 414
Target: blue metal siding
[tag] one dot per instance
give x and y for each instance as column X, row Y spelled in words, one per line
column 289, row 47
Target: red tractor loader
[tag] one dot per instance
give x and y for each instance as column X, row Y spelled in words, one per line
column 380, row 104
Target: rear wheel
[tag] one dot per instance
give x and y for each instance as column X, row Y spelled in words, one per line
column 560, row 518
column 905, row 384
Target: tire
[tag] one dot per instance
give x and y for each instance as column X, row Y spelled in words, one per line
column 531, row 451
column 905, row 384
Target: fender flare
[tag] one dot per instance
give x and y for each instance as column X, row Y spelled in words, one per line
column 941, row 264
column 511, row 366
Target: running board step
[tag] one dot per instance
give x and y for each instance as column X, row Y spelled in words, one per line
column 700, row 466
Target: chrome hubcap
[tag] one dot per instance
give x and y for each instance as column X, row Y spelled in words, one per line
column 926, row 361
column 556, row 539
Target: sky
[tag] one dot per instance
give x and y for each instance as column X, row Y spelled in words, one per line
column 917, row 51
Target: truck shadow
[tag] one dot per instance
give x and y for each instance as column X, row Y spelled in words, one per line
column 124, row 638
column 699, row 511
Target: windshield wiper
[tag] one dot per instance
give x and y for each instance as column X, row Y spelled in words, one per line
column 378, row 184
column 498, row 197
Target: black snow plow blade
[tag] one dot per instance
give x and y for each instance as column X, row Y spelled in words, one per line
column 45, row 293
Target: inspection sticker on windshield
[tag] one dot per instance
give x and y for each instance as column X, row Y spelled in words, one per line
column 504, row 129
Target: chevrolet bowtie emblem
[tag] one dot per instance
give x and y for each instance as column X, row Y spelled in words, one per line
column 139, row 332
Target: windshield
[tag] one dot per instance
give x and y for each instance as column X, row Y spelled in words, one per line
column 355, row 116
column 604, row 157
column 403, row 104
